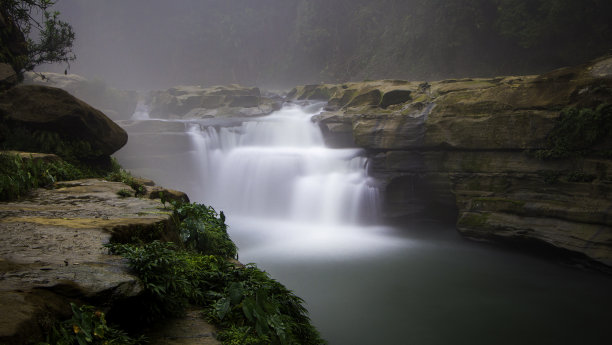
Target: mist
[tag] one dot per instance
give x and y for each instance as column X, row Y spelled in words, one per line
column 153, row 44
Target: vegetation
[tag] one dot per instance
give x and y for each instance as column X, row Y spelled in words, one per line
column 35, row 35
column 88, row 326
column 77, row 152
column 578, row 131
column 248, row 305
column 19, row 175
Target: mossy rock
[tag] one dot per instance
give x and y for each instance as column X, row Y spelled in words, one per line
column 370, row 98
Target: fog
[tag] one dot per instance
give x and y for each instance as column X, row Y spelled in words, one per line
column 153, row 44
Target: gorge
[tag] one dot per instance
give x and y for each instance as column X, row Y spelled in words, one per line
column 439, row 150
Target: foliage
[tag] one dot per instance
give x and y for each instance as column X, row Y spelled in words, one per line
column 251, row 307
column 48, row 39
column 118, row 174
column 203, row 230
column 88, row 326
column 124, row 193
column 23, row 139
column 18, row 175
column 577, row 131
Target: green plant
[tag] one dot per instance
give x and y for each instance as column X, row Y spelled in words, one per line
column 245, row 302
column 88, row 326
column 19, row 175
column 118, row 174
column 577, row 131
column 34, row 19
column 203, row 230
column 124, row 193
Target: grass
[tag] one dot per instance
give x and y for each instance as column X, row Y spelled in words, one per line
column 19, row 175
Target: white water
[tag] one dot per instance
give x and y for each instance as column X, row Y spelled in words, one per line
column 293, row 208
column 278, row 168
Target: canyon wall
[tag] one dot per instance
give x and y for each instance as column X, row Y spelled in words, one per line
column 522, row 158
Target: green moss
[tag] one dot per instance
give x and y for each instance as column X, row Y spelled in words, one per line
column 473, row 220
column 497, row 204
column 577, row 132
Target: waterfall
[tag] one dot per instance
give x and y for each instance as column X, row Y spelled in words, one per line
column 277, row 167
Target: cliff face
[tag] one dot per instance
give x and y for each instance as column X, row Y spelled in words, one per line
column 481, row 150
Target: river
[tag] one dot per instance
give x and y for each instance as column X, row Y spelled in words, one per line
column 308, row 215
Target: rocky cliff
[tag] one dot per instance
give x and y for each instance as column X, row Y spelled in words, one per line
column 499, row 154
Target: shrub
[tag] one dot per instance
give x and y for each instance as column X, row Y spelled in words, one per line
column 203, row 230
column 88, row 326
column 577, row 131
column 18, row 175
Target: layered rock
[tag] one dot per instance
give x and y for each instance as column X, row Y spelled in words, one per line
column 45, row 108
column 51, row 252
column 116, row 104
column 468, row 146
column 219, row 101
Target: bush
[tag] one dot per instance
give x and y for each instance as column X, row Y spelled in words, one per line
column 203, row 230
column 245, row 302
column 577, row 131
column 18, row 175
column 88, row 326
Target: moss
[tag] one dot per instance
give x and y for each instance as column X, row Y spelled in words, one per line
column 473, row 220
column 497, row 204
column 578, row 132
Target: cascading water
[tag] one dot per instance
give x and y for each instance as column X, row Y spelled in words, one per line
column 295, row 208
column 277, row 167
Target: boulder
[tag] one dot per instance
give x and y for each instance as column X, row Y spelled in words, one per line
column 52, row 109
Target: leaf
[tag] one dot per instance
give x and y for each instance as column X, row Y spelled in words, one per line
column 236, row 292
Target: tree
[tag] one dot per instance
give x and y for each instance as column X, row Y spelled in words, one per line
column 32, row 34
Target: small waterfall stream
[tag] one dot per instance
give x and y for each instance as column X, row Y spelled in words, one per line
column 300, row 210
column 277, row 167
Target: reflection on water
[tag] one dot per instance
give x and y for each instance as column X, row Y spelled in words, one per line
column 295, row 207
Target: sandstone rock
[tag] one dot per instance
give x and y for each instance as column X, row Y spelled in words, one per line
column 219, row 101
column 51, row 252
column 467, row 146
column 52, row 109
column 8, row 77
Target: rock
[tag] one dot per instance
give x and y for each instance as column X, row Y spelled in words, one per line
column 156, row 192
column 51, row 252
column 467, row 146
column 188, row 330
column 114, row 103
column 52, row 109
column 395, row 97
column 8, row 77
column 195, row 102
column 45, row 157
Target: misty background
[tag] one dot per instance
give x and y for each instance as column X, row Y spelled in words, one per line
column 153, row 44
